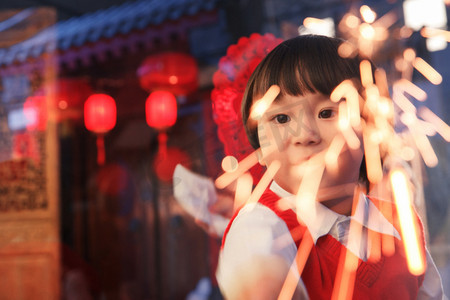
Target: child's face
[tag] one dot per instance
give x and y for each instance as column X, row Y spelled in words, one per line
column 294, row 129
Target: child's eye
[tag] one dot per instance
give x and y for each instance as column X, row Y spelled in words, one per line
column 326, row 113
column 281, row 118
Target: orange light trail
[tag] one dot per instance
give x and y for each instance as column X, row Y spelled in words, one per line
column 428, row 71
column 291, row 281
column 425, row 149
column 344, row 125
column 229, row 163
column 367, row 14
column 347, row 90
column 260, row 106
column 429, row 32
column 332, row 154
column 225, row 179
column 366, row 73
column 264, row 182
column 441, row 127
column 403, row 102
column 408, row 226
column 307, row 191
column 412, row 89
column 243, row 190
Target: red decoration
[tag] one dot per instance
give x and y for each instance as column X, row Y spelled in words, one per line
column 161, row 110
column 171, row 71
column 230, row 81
column 165, row 163
column 35, row 111
column 100, row 117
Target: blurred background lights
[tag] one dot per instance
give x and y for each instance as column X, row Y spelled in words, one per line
column 427, row 13
column 317, row 26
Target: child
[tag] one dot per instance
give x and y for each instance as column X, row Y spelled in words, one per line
column 262, row 240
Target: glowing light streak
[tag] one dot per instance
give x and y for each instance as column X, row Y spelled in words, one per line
column 425, row 149
column 412, row 89
column 428, row 71
column 344, row 125
column 291, row 281
column 367, row 14
column 243, row 190
column 260, row 106
column 366, row 73
column 307, row 191
column 372, row 154
column 229, row 163
column 245, row 164
column 347, row 90
column 374, row 240
column 403, row 102
column 387, row 20
column 441, row 127
column 264, row 182
column 332, row 154
column 429, row 32
column 408, row 226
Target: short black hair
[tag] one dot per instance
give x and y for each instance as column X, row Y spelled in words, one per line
column 301, row 65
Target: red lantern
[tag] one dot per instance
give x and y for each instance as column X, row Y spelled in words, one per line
column 161, row 113
column 161, row 110
column 171, row 71
column 100, row 117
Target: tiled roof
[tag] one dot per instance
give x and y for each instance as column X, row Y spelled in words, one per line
column 103, row 25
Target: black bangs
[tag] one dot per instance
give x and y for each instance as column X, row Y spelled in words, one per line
column 305, row 64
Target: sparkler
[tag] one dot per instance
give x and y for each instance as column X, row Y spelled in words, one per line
column 402, row 196
column 379, row 139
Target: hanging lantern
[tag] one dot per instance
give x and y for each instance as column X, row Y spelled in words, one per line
column 100, row 115
column 161, row 113
column 171, row 71
column 161, row 110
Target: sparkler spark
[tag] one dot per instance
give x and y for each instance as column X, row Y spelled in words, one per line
column 243, row 190
column 366, row 73
column 264, row 182
column 429, row 32
column 229, row 163
column 291, row 281
column 441, row 127
column 243, row 166
column 260, row 106
column 367, row 14
column 428, row 71
column 408, row 226
column 412, row 89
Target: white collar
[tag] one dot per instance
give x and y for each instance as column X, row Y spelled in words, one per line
column 319, row 219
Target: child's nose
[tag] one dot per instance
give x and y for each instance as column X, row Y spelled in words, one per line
column 307, row 133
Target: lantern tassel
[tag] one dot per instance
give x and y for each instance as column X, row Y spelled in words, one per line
column 162, row 144
column 100, row 150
